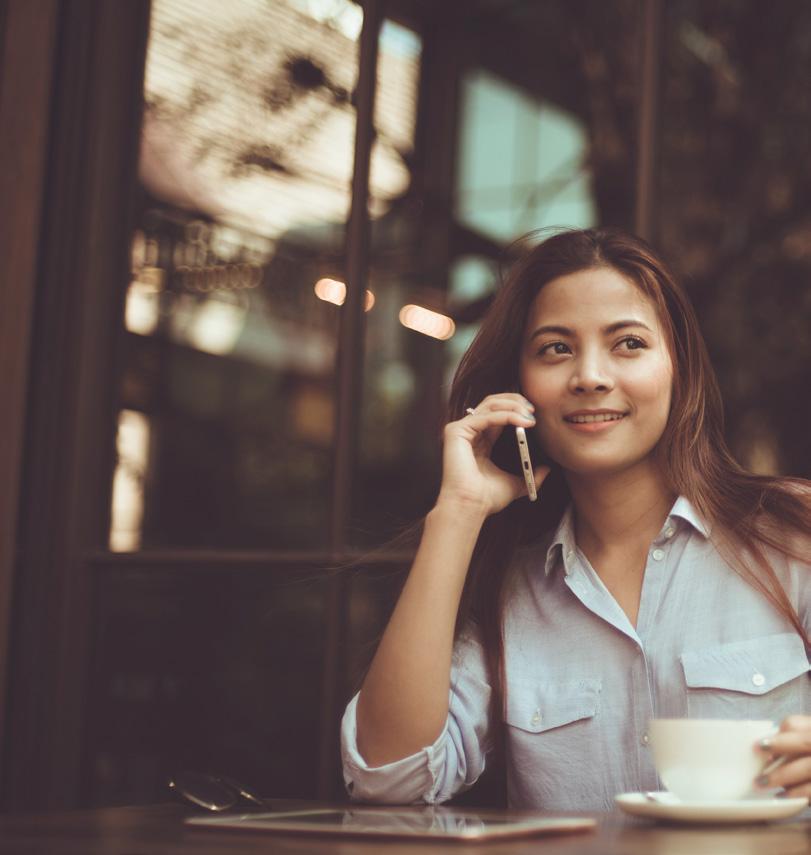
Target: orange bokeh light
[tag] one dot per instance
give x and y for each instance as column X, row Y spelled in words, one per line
column 334, row 291
column 427, row 322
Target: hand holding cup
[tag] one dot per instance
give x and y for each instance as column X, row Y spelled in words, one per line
column 705, row 760
column 792, row 744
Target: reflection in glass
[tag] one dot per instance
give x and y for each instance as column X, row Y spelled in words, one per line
column 395, row 117
column 215, row 670
column 392, row 383
column 425, row 321
column 246, row 163
column 733, row 210
column 248, row 112
column 527, row 119
column 523, row 163
column 127, row 510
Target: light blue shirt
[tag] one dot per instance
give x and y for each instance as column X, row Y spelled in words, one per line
column 583, row 682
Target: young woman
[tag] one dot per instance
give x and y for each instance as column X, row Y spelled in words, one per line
column 653, row 578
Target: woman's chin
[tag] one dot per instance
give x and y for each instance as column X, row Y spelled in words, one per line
column 598, row 465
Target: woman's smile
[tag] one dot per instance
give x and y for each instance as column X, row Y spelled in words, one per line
column 594, row 421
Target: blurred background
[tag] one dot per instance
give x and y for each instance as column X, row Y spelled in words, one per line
column 243, row 246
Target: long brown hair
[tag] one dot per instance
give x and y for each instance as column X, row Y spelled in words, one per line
column 747, row 514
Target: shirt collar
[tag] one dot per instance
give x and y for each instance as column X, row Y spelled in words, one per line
column 683, row 509
column 563, row 541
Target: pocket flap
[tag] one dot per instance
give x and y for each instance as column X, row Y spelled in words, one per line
column 755, row 666
column 543, row 705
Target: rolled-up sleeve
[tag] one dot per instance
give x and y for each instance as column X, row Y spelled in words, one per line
column 437, row 772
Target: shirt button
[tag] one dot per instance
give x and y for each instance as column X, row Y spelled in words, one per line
column 536, row 719
column 669, row 531
column 569, row 555
column 658, row 554
column 758, row 679
column 645, row 739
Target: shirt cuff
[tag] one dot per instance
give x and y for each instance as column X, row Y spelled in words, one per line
column 411, row 780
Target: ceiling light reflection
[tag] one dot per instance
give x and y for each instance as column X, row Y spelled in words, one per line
column 333, row 291
column 427, row 322
column 330, row 290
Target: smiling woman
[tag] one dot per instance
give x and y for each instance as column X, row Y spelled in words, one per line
column 551, row 633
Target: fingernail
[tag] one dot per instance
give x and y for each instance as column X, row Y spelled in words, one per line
column 762, row 780
column 765, row 743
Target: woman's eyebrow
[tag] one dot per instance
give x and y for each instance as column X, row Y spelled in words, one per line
column 607, row 330
column 621, row 325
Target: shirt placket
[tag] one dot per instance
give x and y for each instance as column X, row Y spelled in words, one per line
column 653, row 583
column 595, row 597
column 656, row 572
column 583, row 581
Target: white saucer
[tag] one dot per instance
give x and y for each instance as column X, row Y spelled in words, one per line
column 667, row 806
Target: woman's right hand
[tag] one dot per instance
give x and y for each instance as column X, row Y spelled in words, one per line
column 469, row 476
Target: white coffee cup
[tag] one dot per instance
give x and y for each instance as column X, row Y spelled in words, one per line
column 708, row 759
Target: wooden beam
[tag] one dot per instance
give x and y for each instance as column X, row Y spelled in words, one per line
column 27, row 30
column 349, row 383
column 647, row 142
column 89, row 191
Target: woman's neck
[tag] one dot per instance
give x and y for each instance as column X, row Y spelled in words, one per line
column 619, row 511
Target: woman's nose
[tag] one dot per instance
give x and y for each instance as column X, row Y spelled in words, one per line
column 590, row 375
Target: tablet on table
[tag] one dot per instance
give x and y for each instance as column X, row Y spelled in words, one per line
column 432, row 823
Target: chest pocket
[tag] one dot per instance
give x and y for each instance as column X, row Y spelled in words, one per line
column 552, row 726
column 760, row 678
column 537, row 707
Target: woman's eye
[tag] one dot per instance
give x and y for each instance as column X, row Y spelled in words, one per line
column 633, row 343
column 558, row 348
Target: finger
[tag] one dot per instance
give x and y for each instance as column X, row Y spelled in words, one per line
column 791, row 742
column 502, row 407
column 795, row 722
column 803, row 791
column 505, row 401
column 795, row 773
column 491, row 434
column 514, row 396
column 481, row 430
column 480, row 422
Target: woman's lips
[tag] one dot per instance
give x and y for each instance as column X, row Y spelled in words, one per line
column 595, row 426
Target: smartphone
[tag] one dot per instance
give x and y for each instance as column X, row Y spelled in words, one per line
column 526, row 463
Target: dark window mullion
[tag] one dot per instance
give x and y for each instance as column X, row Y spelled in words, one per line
column 349, row 384
column 650, row 60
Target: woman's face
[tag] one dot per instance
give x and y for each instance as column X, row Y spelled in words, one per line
column 595, row 364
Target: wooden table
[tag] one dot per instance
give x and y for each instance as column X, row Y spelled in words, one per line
column 160, row 829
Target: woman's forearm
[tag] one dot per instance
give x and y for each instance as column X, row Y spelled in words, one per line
column 403, row 702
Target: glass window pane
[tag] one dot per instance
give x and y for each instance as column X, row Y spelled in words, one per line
column 733, row 210
column 527, row 118
column 390, row 434
column 246, row 165
column 523, row 162
column 167, row 693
